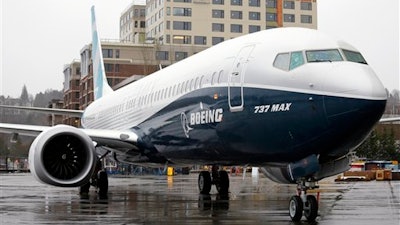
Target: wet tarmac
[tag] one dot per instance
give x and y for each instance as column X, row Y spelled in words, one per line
column 175, row 200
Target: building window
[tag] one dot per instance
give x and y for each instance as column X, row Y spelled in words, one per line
column 117, row 53
column 217, row 13
column 179, row 25
column 288, row 4
column 142, row 24
column 271, row 16
column 255, row 3
column 236, row 15
column 216, row 40
column 271, row 3
column 109, row 67
column 306, row 19
column 182, row 39
column 180, row 55
column 162, row 55
column 288, row 18
column 218, row 2
column 200, row 40
column 236, row 2
column 254, row 28
column 306, row 6
column 142, row 12
column 177, row 11
column 187, row 1
column 254, row 16
column 218, row 27
column 107, row 53
column 236, row 28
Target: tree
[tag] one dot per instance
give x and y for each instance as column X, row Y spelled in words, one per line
column 24, row 99
column 379, row 146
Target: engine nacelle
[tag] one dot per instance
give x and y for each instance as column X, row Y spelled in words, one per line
column 307, row 167
column 62, row 156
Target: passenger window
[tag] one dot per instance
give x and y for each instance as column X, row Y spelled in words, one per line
column 201, row 81
column 282, row 61
column 296, row 60
column 353, row 56
column 183, row 88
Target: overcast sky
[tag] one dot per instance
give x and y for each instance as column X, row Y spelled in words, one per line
column 38, row 37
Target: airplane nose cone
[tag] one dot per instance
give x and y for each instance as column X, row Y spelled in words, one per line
column 356, row 80
column 357, row 103
column 357, row 92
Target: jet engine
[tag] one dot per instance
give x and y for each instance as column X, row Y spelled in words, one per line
column 62, row 156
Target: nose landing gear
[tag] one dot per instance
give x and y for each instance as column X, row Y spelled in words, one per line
column 302, row 203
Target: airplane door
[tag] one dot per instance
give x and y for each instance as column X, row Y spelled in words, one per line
column 236, row 78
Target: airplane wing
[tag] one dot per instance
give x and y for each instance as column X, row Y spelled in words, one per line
column 120, row 141
column 67, row 112
column 389, row 119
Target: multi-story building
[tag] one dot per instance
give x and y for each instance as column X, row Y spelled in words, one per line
column 72, row 77
column 53, row 119
column 121, row 60
column 209, row 22
column 132, row 23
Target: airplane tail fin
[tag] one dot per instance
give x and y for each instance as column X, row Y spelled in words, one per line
column 100, row 84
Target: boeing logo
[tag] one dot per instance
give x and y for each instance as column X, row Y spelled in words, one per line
column 204, row 116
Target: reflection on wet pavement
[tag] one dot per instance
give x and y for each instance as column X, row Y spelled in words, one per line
column 175, row 200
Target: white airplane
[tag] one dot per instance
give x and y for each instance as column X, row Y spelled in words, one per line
column 290, row 100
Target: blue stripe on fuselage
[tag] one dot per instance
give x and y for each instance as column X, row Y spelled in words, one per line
column 289, row 127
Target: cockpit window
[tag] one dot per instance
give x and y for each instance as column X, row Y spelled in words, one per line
column 353, row 56
column 282, row 61
column 289, row 61
column 329, row 55
column 296, row 60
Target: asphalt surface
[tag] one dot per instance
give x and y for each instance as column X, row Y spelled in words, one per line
column 175, row 200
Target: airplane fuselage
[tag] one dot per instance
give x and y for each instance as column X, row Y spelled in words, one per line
column 235, row 104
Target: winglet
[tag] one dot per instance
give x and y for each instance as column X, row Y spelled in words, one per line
column 100, row 84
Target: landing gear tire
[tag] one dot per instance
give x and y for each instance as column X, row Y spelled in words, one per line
column 204, row 182
column 223, row 183
column 295, row 208
column 84, row 189
column 311, row 208
column 102, row 184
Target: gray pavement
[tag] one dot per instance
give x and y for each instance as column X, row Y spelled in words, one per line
column 175, row 200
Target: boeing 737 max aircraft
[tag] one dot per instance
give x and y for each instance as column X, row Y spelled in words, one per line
column 292, row 101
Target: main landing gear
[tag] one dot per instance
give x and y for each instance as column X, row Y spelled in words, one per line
column 99, row 180
column 218, row 177
column 302, row 203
